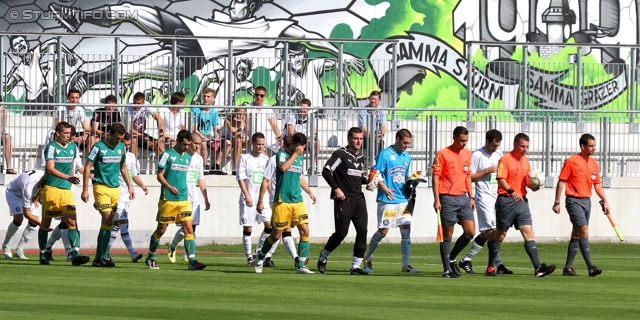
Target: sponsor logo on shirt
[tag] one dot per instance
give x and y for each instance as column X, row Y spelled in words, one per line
column 354, row 172
column 593, row 176
column 179, row 167
column 64, row 159
column 103, row 152
column 296, row 169
column 398, row 170
column 111, row 159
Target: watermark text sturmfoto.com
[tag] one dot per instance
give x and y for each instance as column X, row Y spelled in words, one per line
column 30, row 14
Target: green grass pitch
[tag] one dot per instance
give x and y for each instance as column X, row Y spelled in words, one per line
column 229, row 289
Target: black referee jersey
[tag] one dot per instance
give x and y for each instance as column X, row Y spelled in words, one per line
column 345, row 170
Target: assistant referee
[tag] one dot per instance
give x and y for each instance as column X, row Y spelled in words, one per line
column 344, row 174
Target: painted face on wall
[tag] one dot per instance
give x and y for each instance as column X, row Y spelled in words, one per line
column 239, row 9
column 242, row 71
column 19, row 46
column 297, row 60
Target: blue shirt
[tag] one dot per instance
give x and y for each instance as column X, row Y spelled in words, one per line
column 394, row 169
column 205, row 121
column 379, row 119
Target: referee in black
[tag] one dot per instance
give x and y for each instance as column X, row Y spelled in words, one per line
column 344, row 174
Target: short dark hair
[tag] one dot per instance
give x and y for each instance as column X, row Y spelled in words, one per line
column 73, row 90
column 261, row 88
column 117, row 128
column 110, row 98
column 177, row 97
column 138, row 96
column 256, row 136
column 403, row 133
column 306, row 101
column 127, row 136
column 521, row 137
column 287, row 141
column 299, row 139
column 352, row 131
column 460, row 130
column 585, row 138
column 62, row 125
column 493, row 135
column 184, row 134
column 375, row 93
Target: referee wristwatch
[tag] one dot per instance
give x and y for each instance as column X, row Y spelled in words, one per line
column 510, row 191
column 556, row 203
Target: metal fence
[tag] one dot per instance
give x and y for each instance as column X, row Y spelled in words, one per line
column 554, row 137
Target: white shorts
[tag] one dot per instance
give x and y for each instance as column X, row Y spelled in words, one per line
column 122, row 211
column 391, row 215
column 486, row 209
column 249, row 215
column 15, row 204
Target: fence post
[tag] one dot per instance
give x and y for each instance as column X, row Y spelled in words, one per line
column 547, row 161
column 579, row 71
column 313, row 178
column 59, row 93
column 2, row 93
column 470, row 76
column 633, row 73
column 525, row 81
column 606, row 180
column 339, row 75
column 174, row 71
column 230, row 67
column 394, row 66
column 432, row 146
column 285, row 75
column 116, row 78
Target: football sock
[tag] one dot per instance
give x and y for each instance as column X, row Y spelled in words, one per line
column 74, row 241
column 153, row 245
column 177, row 238
column 373, row 244
column 265, row 233
column 272, row 250
column 498, row 261
column 265, row 248
column 325, row 254
column 572, row 251
column 26, row 236
column 246, row 242
column 303, row 250
column 64, row 235
column 126, row 238
column 190, row 247
column 586, row 251
column 494, row 249
column 106, row 237
column 405, row 242
column 445, row 250
column 461, row 243
column 115, row 230
column 356, row 262
column 476, row 246
column 11, row 230
column 55, row 236
column 42, row 242
column 290, row 245
column 532, row 251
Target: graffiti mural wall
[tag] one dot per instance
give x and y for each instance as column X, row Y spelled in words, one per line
column 432, row 69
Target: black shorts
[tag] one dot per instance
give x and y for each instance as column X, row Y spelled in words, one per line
column 511, row 213
column 579, row 210
column 454, row 209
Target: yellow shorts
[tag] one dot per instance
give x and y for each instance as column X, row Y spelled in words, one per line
column 174, row 211
column 57, row 202
column 106, row 197
column 285, row 215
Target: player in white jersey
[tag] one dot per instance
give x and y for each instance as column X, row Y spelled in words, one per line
column 121, row 218
column 249, row 173
column 19, row 194
column 195, row 181
column 269, row 183
column 484, row 168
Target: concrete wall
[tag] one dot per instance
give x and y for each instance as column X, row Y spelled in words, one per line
column 220, row 224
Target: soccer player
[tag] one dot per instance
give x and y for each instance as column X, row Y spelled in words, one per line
column 19, row 193
column 288, row 207
column 580, row 172
column 512, row 206
column 195, row 181
column 484, row 165
column 107, row 157
column 452, row 197
column 56, row 197
column 249, row 173
column 393, row 165
column 121, row 218
column 344, row 174
column 174, row 206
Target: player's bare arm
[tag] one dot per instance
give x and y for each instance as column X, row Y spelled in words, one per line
column 140, row 184
column 305, row 187
column 556, row 203
column 164, row 183
column 263, row 189
column 436, row 193
column 86, row 175
column 502, row 183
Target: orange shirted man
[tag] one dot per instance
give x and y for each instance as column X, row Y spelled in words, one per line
column 512, row 206
column 452, row 196
column 580, row 173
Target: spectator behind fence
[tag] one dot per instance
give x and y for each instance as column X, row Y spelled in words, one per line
column 233, row 133
column 6, row 141
column 260, row 119
column 298, row 121
column 72, row 114
column 103, row 118
column 206, row 124
column 379, row 121
column 174, row 119
column 138, row 125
